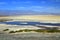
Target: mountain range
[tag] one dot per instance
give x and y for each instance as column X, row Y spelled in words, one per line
column 22, row 12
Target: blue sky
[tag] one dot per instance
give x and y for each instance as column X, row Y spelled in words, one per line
column 50, row 6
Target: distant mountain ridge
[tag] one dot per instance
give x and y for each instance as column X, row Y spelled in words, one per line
column 21, row 12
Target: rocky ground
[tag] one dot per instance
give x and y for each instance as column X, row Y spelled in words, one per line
column 30, row 36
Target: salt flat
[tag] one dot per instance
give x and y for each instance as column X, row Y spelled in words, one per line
column 16, row 27
column 29, row 36
column 39, row 18
column 47, row 18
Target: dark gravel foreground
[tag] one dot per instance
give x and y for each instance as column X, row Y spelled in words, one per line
column 29, row 36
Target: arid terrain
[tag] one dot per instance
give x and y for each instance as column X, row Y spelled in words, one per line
column 28, row 35
column 53, row 18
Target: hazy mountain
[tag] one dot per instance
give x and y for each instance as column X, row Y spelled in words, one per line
column 21, row 12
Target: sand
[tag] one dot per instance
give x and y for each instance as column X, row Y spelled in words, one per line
column 48, row 18
column 29, row 36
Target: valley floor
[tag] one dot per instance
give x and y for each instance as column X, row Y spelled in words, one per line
column 30, row 36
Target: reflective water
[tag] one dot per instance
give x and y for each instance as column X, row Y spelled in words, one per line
column 30, row 23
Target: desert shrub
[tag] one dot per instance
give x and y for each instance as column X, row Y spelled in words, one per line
column 19, row 31
column 12, row 32
column 5, row 29
column 27, row 30
column 38, row 30
column 3, row 20
column 52, row 31
column 57, row 30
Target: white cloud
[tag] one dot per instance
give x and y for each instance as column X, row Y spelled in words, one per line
column 44, row 9
column 39, row 8
column 14, row 2
column 36, row 7
column 21, row 8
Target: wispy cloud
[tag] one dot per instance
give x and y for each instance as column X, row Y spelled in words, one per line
column 20, row 7
column 36, row 7
column 45, row 9
column 43, row 2
column 28, row 7
column 14, row 2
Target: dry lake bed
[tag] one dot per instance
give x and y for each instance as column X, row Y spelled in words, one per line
column 30, row 36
